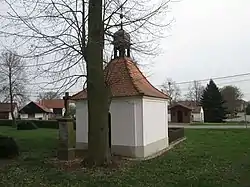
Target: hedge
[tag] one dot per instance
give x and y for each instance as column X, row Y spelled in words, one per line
column 26, row 125
column 175, row 134
column 48, row 124
column 8, row 147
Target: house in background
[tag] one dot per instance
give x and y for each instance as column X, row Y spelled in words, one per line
column 35, row 111
column 56, row 106
column 240, row 105
column 185, row 112
column 5, row 110
column 180, row 113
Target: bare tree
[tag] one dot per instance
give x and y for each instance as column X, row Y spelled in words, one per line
column 67, row 33
column 48, row 95
column 13, row 80
column 232, row 96
column 195, row 92
column 72, row 110
column 171, row 88
column 55, row 32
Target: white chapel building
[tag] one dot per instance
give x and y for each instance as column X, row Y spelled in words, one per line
column 138, row 111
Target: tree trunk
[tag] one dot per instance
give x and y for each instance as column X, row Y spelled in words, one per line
column 98, row 149
column 11, row 98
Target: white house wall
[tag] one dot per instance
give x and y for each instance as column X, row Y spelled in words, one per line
column 138, row 111
column 81, row 123
column 123, row 122
column 24, row 116
column 42, row 116
column 169, row 116
column 136, row 125
column 198, row 117
column 39, row 115
column 155, row 120
column 15, row 113
column 126, row 123
column 155, row 125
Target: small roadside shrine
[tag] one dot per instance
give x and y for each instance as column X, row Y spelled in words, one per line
column 138, row 111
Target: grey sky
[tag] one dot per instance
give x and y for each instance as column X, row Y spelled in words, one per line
column 209, row 38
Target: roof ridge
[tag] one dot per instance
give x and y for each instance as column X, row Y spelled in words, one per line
column 128, row 80
column 131, row 76
column 144, row 77
column 44, row 108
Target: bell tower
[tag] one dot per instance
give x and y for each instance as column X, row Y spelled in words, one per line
column 121, row 41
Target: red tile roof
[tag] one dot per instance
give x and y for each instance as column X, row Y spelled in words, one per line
column 6, row 107
column 125, row 79
column 179, row 104
column 188, row 104
column 52, row 103
column 43, row 108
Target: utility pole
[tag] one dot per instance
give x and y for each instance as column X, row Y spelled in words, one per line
column 169, row 88
column 245, row 114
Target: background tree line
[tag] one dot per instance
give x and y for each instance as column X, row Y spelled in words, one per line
column 227, row 99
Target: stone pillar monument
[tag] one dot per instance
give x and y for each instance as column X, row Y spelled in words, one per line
column 66, row 149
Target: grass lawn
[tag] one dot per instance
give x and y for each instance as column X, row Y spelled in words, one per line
column 208, row 158
column 223, row 124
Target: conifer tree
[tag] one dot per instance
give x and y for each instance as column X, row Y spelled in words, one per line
column 212, row 103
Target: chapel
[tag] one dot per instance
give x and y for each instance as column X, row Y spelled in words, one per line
column 138, row 111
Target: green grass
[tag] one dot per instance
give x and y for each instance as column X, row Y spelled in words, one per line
column 208, row 158
column 224, row 124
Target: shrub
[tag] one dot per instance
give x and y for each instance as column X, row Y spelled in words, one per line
column 8, row 147
column 26, row 125
column 5, row 122
column 175, row 134
column 47, row 124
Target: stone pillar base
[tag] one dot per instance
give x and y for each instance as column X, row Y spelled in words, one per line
column 66, row 154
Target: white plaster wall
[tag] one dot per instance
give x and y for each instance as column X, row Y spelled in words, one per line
column 10, row 117
column 82, row 121
column 39, row 115
column 202, row 115
column 155, row 120
column 169, row 116
column 198, row 117
column 123, row 122
column 24, row 116
column 15, row 113
column 138, row 111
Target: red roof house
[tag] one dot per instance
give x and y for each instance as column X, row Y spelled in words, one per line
column 5, row 110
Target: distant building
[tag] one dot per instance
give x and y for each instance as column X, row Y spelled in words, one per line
column 185, row 112
column 35, row 111
column 56, row 106
column 5, row 110
column 240, row 105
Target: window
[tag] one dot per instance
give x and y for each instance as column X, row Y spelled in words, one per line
column 31, row 115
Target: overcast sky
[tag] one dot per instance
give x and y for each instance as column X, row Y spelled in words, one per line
column 209, row 38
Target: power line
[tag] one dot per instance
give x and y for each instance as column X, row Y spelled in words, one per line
column 215, row 78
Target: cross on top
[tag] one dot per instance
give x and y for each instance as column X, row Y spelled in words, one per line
column 66, row 103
